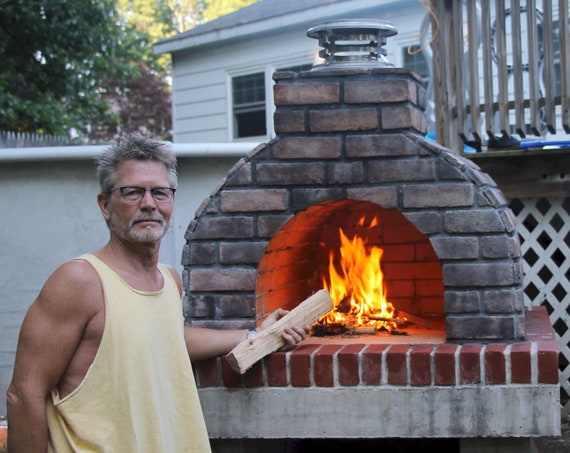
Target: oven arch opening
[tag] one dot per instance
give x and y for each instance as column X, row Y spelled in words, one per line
column 297, row 258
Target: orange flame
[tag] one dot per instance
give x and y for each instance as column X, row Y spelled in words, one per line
column 358, row 290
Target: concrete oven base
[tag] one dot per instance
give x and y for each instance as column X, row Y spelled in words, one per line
column 486, row 397
column 382, row 412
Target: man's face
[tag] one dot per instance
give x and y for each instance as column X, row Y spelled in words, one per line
column 145, row 220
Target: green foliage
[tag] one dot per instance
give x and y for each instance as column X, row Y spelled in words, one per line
column 217, row 8
column 53, row 62
column 83, row 65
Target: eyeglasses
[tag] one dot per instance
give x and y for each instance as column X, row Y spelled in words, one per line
column 134, row 194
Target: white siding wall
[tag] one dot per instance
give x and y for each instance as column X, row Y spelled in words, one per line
column 202, row 77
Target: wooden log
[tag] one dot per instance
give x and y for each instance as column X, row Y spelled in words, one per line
column 270, row 339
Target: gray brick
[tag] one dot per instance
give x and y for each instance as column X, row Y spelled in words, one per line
column 254, row 200
column 494, row 247
column 437, row 196
column 306, row 93
column 462, row 301
column 480, row 328
column 268, row 225
column 355, row 119
column 346, row 173
column 456, row 247
column 449, row 172
column 308, row 148
column 427, row 222
column 494, row 197
column 241, row 252
column 227, row 279
column 473, row 221
column 379, row 91
column 240, row 175
column 200, row 306
column 479, row 274
column 380, row 145
column 224, row 228
column 401, row 170
column 403, row 117
column 305, row 198
column 202, row 253
column 290, row 173
column 499, row 301
column 289, row 121
column 387, row 197
column 232, row 306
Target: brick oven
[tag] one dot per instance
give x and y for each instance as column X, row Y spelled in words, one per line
column 351, row 151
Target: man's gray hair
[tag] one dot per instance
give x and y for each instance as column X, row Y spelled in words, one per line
column 135, row 146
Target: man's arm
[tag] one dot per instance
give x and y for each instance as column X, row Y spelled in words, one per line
column 207, row 343
column 204, row 343
column 50, row 334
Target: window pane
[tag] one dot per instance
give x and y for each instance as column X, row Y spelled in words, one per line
column 416, row 61
column 250, row 124
column 249, row 105
column 250, row 88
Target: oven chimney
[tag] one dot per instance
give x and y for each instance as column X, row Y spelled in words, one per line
column 352, row 43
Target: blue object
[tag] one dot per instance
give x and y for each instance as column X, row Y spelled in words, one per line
column 543, row 143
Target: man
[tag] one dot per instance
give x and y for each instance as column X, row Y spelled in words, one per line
column 103, row 357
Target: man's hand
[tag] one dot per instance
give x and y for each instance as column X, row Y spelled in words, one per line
column 292, row 335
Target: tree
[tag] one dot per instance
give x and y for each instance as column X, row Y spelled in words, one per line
column 54, row 56
column 140, row 104
column 216, row 8
column 79, row 65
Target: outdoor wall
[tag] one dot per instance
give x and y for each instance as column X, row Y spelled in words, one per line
column 50, row 214
column 202, row 75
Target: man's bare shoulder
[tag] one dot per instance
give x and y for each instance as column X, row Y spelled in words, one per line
column 75, row 284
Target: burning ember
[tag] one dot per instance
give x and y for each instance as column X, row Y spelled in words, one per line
column 357, row 289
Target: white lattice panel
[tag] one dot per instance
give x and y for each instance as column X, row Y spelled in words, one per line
column 544, row 229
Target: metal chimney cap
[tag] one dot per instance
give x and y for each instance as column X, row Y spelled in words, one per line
column 352, row 43
column 358, row 26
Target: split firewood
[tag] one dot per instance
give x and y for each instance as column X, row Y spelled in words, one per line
column 394, row 320
column 270, row 339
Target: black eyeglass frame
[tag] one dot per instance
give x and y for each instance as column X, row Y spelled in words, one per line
column 141, row 191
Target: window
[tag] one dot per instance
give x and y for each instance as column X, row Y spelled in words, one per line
column 249, row 105
column 416, row 61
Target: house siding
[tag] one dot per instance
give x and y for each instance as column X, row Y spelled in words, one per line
column 202, row 75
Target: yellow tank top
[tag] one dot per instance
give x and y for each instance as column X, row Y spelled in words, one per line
column 139, row 394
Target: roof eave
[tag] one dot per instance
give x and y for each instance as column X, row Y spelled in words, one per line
column 180, row 42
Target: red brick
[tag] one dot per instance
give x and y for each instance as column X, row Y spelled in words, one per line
column 470, row 364
column 231, row 378
column 396, row 361
column 307, row 93
column 420, row 364
column 300, row 365
column 371, row 362
column 339, row 120
column 289, row 121
column 520, row 363
column 348, row 361
column 444, row 362
column 254, row 376
column 208, row 373
column 495, row 364
column 324, row 365
column 276, row 365
column 379, row 91
column 547, row 362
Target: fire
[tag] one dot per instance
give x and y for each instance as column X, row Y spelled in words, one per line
column 357, row 288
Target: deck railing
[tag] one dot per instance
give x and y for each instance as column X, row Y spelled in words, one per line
column 501, row 71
